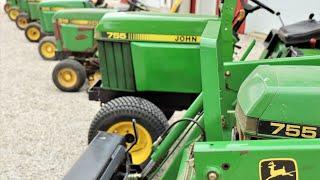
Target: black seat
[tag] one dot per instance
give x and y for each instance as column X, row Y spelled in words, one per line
column 300, row 32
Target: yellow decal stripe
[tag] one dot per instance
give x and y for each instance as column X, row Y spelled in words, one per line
column 52, row 8
column 78, row 22
column 153, row 37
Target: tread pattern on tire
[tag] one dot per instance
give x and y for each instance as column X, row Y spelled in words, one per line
column 130, row 105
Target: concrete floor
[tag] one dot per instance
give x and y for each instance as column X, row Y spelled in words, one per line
column 42, row 130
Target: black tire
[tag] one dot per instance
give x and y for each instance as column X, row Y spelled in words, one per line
column 6, row 8
column 123, row 109
column 22, row 21
column 10, row 13
column 30, row 27
column 77, row 68
column 45, row 40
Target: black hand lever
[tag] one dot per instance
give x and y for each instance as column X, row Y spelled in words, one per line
column 135, row 135
column 311, row 16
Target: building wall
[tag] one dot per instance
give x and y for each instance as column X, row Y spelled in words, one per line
column 291, row 11
column 206, row 7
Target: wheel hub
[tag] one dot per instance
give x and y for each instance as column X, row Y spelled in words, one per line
column 67, row 77
column 48, row 50
column 33, row 33
column 14, row 14
column 141, row 151
column 22, row 22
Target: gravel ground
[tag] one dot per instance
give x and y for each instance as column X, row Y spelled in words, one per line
column 42, row 130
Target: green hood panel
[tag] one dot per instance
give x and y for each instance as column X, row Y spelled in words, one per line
column 153, row 23
column 282, row 93
column 84, row 13
column 66, row 3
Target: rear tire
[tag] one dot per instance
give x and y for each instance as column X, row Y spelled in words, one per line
column 33, row 32
column 6, row 8
column 116, row 115
column 47, row 48
column 22, row 21
column 13, row 14
column 69, row 75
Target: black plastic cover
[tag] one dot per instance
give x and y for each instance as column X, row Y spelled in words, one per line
column 98, row 157
column 300, row 32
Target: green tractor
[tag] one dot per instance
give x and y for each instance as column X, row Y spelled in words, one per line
column 253, row 119
column 70, row 40
column 76, row 46
column 41, row 27
column 9, row 3
column 27, row 12
column 16, row 7
column 141, row 62
column 74, row 31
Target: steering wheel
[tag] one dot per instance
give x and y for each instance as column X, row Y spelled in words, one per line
column 259, row 4
column 134, row 5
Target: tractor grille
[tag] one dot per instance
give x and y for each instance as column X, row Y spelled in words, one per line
column 116, row 65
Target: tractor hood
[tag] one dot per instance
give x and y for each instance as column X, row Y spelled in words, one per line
column 282, row 93
column 60, row 4
column 152, row 23
column 82, row 13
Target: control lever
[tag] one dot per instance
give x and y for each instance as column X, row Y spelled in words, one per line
column 311, row 16
column 278, row 14
column 135, row 135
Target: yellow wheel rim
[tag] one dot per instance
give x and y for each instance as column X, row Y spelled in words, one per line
column 13, row 14
column 67, row 77
column 48, row 50
column 22, row 22
column 142, row 150
column 33, row 33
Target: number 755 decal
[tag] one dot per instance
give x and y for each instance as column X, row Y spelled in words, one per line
column 288, row 130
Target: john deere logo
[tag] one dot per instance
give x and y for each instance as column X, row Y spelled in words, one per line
column 278, row 169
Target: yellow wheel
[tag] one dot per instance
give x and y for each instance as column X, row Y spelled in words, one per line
column 33, row 32
column 22, row 21
column 69, row 75
column 47, row 48
column 116, row 117
column 13, row 14
column 6, row 8
column 142, row 150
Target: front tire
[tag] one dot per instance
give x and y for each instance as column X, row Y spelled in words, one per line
column 13, row 14
column 47, row 48
column 116, row 116
column 69, row 75
column 33, row 32
column 6, row 8
column 22, row 21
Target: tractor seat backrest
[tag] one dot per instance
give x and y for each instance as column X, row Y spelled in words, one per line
column 301, row 32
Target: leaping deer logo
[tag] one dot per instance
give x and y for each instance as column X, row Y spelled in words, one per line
column 278, row 172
